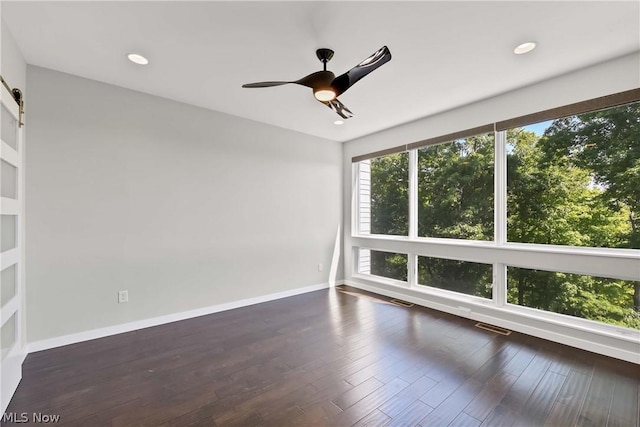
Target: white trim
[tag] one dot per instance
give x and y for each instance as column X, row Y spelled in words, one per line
column 528, row 247
column 495, row 318
column 412, row 270
column 9, row 155
column 11, row 377
column 413, row 194
column 9, row 206
column 161, row 320
column 382, row 279
column 355, row 197
column 499, row 284
column 8, row 258
column 10, row 308
column 500, row 188
column 452, row 298
column 614, row 263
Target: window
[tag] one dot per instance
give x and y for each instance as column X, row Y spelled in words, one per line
column 455, row 189
column 384, row 264
column 575, row 180
column 383, row 195
column 596, row 298
column 558, row 194
column 458, row 276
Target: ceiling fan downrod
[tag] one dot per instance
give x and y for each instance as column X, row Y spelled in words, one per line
column 324, row 55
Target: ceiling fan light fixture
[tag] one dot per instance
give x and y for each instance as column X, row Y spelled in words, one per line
column 324, row 94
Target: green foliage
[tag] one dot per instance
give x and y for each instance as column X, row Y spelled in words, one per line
column 390, row 195
column 455, row 189
column 458, row 276
column 578, row 184
column 606, row 144
column 387, row 264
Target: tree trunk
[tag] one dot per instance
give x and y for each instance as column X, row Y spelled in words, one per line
column 636, row 296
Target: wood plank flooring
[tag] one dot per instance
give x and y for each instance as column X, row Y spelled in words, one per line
column 329, row 358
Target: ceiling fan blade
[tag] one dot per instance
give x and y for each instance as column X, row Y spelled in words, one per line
column 316, row 79
column 339, row 108
column 348, row 79
column 266, row 84
column 312, row 80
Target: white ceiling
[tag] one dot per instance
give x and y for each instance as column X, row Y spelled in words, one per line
column 445, row 54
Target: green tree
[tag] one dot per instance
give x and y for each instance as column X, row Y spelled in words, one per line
column 388, row 264
column 390, row 210
column 455, row 189
column 553, row 200
column 605, row 143
column 578, row 184
column 455, row 200
column 390, row 195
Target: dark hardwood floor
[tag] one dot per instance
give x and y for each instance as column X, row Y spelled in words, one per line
column 327, row 358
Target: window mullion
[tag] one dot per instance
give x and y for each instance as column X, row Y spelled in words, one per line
column 413, row 194
column 499, row 284
column 500, row 188
column 500, row 216
column 412, row 259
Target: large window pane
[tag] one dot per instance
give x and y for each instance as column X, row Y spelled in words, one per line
column 455, row 189
column 458, row 276
column 384, row 264
column 575, row 180
column 383, row 199
column 588, row 297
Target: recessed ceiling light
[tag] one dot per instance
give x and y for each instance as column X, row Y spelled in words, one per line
column 137, row 59
column 338, row 122
column 524, row 48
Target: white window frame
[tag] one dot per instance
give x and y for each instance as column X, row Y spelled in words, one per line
column 620, row 263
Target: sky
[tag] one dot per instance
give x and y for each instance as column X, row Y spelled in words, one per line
column 538, row 128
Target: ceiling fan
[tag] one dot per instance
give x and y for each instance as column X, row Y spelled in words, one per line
column 326, row 86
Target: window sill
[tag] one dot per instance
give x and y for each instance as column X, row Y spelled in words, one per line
column 525, row 247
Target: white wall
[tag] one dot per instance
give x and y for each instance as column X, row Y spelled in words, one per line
column 182, row 206
column 12, row 64
column 610, row 77
column 614, row 76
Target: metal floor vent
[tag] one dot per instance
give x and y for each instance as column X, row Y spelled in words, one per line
column 402, row 303
column 491, row 328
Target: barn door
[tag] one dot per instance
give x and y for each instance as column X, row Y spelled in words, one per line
column 12, row 339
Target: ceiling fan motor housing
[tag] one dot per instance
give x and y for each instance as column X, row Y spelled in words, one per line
column 324, row 55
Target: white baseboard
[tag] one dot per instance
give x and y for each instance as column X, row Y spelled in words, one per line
column 547, row 334
column 161, row 320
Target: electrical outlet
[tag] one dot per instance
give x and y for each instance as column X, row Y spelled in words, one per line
column 123, row 296
column 320, row 268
